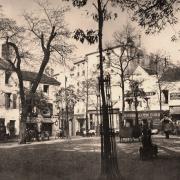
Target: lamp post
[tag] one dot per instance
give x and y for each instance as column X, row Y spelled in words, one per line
column 97, row 112
column 66, row 109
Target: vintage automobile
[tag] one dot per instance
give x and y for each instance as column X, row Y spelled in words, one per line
column 154, row 131
column 91, row 132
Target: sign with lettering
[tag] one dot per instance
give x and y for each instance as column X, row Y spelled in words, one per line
column 142, row 114
column 175, row 96
column 150, row 93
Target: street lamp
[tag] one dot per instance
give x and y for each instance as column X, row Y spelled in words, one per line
column 97, row 111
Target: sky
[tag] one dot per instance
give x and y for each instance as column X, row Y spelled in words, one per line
column 78, row 18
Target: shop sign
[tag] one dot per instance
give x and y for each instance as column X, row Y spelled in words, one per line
column 150, row 93
column 174, row 96
column 142, row 114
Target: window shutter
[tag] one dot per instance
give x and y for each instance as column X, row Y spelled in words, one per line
column 14, row 101
column 2, row 100
column 6, row 101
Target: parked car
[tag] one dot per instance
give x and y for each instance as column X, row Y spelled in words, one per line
column 92, row 132
column 154, row 131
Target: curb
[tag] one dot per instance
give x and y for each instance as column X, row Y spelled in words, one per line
column 51, row 141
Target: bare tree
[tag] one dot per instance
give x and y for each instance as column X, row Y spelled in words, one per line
column 87, row 88
column 120, row 57
column 48, row 32
column 159, row 63
column 135, row 92
column 66, row 99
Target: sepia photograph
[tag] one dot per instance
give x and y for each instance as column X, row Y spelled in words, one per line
column 89, row 90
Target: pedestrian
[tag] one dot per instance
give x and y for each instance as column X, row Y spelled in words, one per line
column 146, row 135
column 167, row 125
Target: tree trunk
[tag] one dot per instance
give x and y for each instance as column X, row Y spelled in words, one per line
column 160, row 102
column 123, row 101
column 136, row 112
column 23, row 115
column 109, row 167
column 40, row 73
column 22, row 129
column 87, row 102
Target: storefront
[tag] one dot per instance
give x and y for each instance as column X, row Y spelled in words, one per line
column 153, row 116
column 41, row 124
column 47, row 124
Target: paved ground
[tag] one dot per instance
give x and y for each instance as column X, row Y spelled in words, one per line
column 165, row 167
column 80, row 159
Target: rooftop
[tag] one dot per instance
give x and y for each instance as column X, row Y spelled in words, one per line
column 149, row 71
column 171, row 74
column 30, row 76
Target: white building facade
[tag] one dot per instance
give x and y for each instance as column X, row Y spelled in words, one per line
column 10, row 100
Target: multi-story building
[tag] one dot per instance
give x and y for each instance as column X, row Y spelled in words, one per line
column 10, row 100
column 85, row 70
column 141, row 69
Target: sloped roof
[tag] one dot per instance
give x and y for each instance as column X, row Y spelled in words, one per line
column 171, row 75
column 30, row 76
column 149, row 71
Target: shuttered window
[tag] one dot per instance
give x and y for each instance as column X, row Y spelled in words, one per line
column 14, row 101
column 7, row 100
column 2, row 100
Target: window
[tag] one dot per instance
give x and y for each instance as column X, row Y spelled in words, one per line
column 166, row 93
column 83, row 72
column 78, row 74
column 2, row 121
column 14, row 101
column 91, row 116
column 46, row 88
column 7, row 76
column 12, row 129
column 30, row 84
column 7, row 100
